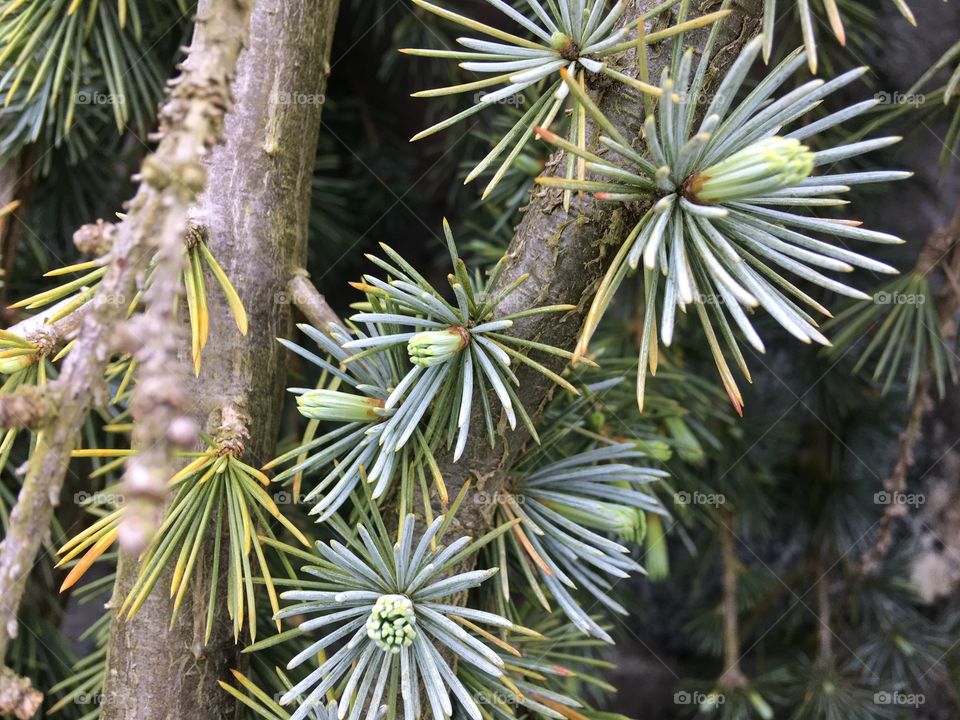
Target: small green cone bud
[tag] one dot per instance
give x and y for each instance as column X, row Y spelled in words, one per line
column 564, row 45
column 631, row 524
column 764, row 167
column 558, row 41
column 657, row 561
column 338, row 406
column 392, row 623
column 626, row 522
column 657, row 449
column 688, row 447
column 597, row 420
column 434, row 347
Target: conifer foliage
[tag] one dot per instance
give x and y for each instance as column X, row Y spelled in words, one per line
column 483, row 479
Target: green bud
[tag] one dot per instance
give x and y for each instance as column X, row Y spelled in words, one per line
column 596, row 420
column 392, row 623
column 627, row 522
column 434, row 347
column 764, row 167
column 339, row 406
column 657, row 449
column 630, row 523
column 688, row 447
column 559, row 41
column 657, row 560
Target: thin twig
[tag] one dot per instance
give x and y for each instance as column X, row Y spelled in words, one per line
column 940, row 252
column 824, row 611
column 171, row 177
column 732, row 676
column 308, row 300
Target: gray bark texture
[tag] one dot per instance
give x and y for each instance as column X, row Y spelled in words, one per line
column 254, row 216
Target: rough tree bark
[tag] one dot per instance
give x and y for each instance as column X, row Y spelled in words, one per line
column 254, row 216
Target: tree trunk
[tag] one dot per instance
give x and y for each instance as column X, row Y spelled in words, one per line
column 254, row 214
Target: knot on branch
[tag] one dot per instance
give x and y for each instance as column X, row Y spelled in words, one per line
column 161, row 402
column 232, row 434
column 194, row 235
column 46, row 340
column 140, row 483
column 31, row 406
column 186, row 179
column 152, row 341
column 17, row 696
column 156, row 395
column 183, row 431
column 95, row 239
column 197, row 100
